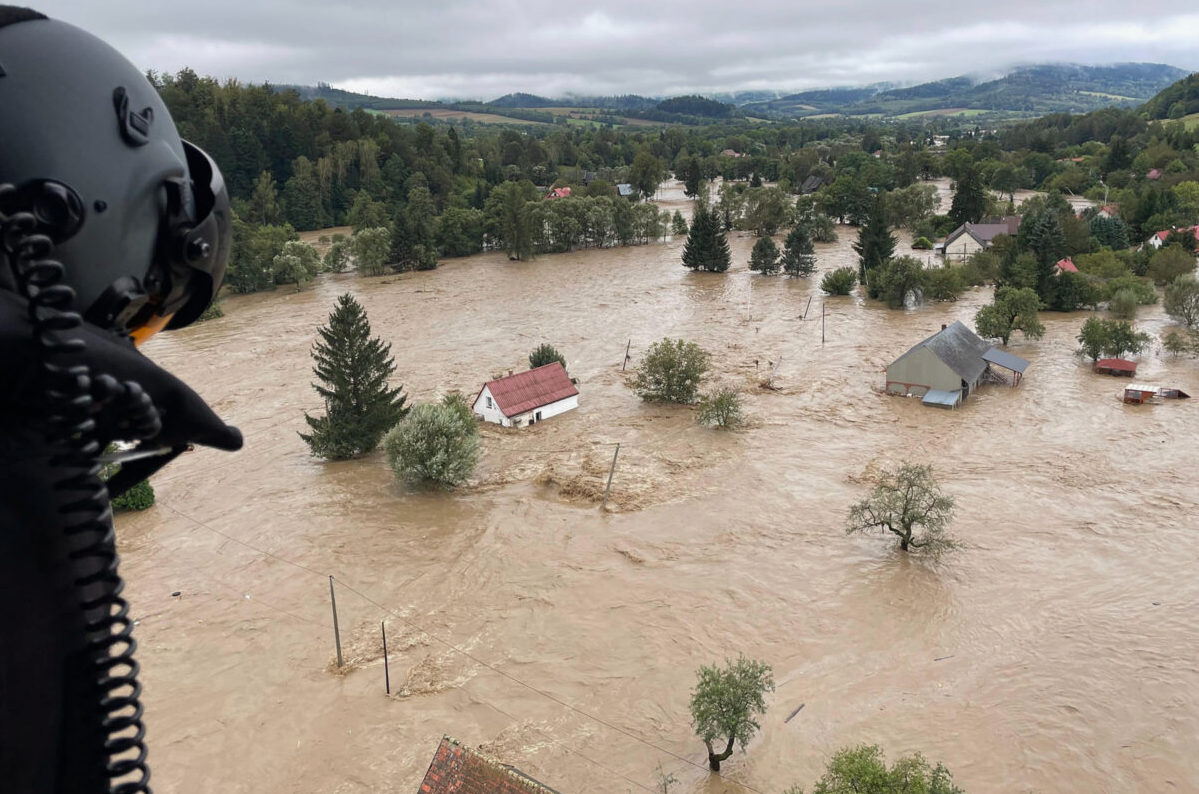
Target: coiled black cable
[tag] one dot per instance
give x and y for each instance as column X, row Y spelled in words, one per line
column 73, row 396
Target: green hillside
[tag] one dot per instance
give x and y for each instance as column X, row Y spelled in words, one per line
column 1175, row 101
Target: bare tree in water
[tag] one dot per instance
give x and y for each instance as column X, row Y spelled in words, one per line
column 909, row 504
column 725, row 702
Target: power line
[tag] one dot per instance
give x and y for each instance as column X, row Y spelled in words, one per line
column 561, row 744
column 242, row 542
column 543, row 693
column 473, row 658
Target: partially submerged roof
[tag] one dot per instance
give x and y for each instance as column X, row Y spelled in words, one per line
column 1117, row 364
column 1005, row 360
column 960, row 348
column 1141, row 387
column 942, row 399
column 531, row 389
column 457, row 769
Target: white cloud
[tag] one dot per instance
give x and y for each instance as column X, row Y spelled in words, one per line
column 484, row 48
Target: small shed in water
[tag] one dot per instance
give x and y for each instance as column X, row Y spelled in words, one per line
column 1116, row 366
column 527, row 397
column 1141, row 393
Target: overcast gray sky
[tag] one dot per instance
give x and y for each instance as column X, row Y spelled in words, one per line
column 485, row 48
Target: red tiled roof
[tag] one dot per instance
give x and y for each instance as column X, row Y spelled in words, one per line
column 558, row 192
column 1154, row 174
column 1162, row 235
column 531, row 389
column 1117, row 363
column 458, row 770
column 1067, row 265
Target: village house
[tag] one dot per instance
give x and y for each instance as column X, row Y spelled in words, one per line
column 1159, row 238
column 970, row 238
column 1108, row 211
column 625, row 190
column 1064, row 266
column 813, row 183
column 558, row 192
column 1121, row 368
column 731, row 153
column 948, row 366
column 457, row 769
column 527, row 397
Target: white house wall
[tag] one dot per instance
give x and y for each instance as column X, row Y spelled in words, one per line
column 496, row 416
column 492, row 413
column 962, row 247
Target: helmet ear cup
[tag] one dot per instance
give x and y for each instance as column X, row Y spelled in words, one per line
column 203, row 247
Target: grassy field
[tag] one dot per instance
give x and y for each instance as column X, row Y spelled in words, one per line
column 446, row 114
column 1110, row 96
column 1191, row 121
column 964, row 112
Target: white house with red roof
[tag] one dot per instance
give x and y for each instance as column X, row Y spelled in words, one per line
column 1159, row 238
column 558, row 192
column 527, row 397
column 1065, row 266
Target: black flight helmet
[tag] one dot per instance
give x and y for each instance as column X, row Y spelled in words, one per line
column 140, row 218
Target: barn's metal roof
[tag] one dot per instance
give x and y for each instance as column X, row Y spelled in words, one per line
column 960, row 348
column 1005, row 360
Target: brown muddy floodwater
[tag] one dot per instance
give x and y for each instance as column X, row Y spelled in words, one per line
column 1055, row 654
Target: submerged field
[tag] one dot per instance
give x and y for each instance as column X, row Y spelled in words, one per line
column 1054, row 654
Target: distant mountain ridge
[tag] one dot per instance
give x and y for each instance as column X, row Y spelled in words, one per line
column 1024, row 91
column 1033, row 90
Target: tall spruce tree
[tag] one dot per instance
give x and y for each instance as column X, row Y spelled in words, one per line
column 765, row 257
column 706, row 248
column 1047, row 242
column 875, row 243
column 692, row 176
column 970, row 199
column 799, row 255
column 354, row 368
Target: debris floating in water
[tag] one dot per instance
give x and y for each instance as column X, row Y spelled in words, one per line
column 798, row 709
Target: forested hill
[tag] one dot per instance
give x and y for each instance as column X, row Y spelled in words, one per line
column 1027, row 91
column 1175, row 101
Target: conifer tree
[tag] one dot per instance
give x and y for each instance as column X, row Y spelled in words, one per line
column 875, row 243
column 706, row 248
column 970, row 199
column 692, row 177
column 799, row 255
column 354, row 368
column 765, row 257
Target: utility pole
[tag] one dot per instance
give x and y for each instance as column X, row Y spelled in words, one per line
column 611, row 471
column 336, row 630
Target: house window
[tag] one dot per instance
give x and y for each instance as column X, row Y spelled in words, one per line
column 538, row 416
column 488, row 402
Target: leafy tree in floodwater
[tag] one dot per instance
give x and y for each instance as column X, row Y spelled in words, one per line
column 857, row 770
column 909, row 504
column 354, row 369
column 726, row 702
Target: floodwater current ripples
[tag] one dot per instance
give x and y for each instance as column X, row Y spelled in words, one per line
column 1056, row 653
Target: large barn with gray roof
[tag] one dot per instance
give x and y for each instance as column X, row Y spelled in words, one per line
column 948, row 366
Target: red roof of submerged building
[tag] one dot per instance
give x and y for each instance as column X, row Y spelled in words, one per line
column 1118, row 364
column 459, row 770
column 531, row 389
